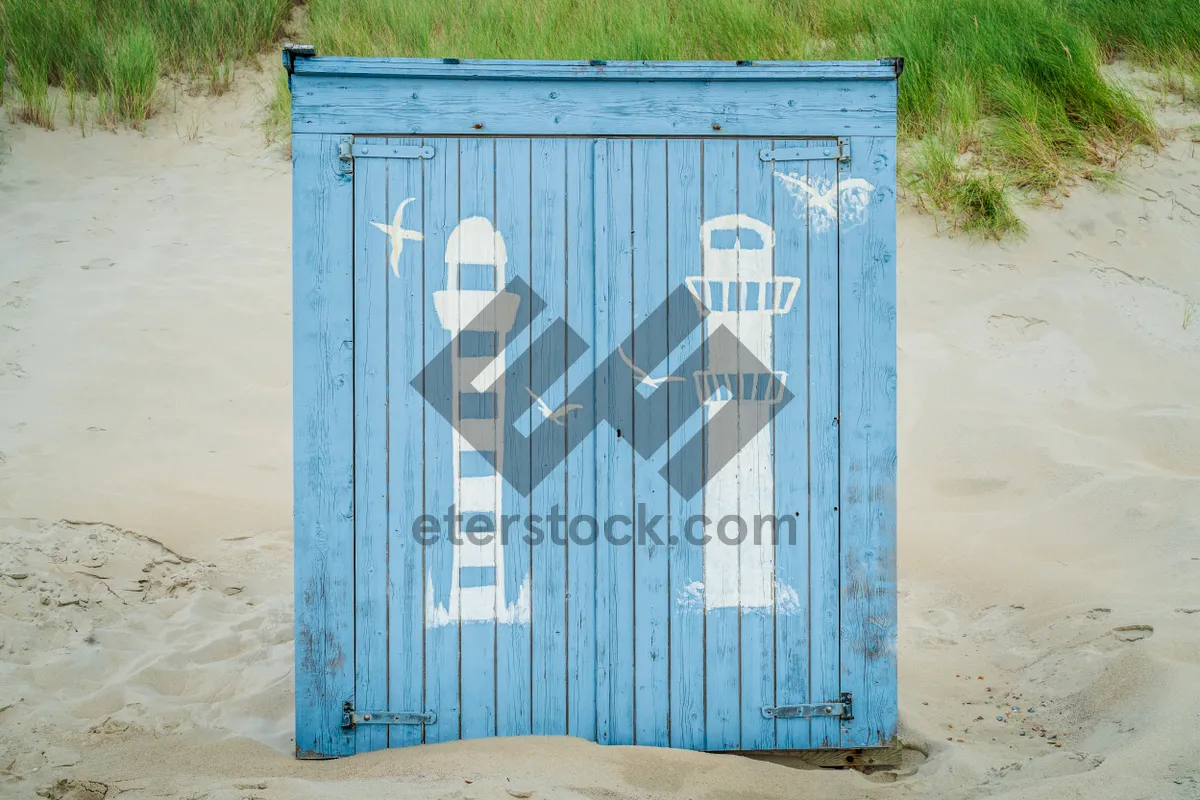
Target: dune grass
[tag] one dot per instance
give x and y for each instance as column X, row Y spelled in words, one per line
column 998, row 95
column 116, row 49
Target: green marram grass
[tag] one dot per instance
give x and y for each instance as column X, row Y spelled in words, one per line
column 1004, row 95
column 1010, row 92
column 116, row 49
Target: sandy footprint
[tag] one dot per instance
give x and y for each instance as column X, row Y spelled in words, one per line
column 1133, row 633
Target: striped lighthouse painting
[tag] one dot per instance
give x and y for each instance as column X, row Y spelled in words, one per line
column 478, row 313
column 738, row 290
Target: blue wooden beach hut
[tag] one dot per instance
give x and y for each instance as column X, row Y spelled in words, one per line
column 595, row 403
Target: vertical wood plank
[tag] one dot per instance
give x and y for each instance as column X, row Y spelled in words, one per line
column 548, row 378
column 477, row 198
column 756, row 567
column 583, row 264
column 790, row 435
column 648, row 352
column 824, row 633
column 614, row 458
column 722, row 663
column 323, row 443
column 868, row 442
column 405, row 434
column 371, row 448
column 441, row 634
column 686, row 554
column 513, row 667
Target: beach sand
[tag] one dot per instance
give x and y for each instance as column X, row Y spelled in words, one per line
column 1049, row 495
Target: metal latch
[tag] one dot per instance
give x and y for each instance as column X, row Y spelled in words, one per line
column 839, row 152
column 349, row 149
column 351, row 718
column 842, row 708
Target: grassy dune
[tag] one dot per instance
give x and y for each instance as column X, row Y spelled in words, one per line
column 1000, row 96
column 117, row 49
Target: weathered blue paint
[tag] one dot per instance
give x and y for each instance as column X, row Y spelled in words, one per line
column 371, row 445
column 824, row 458
column 597, row 178
column 477, row 676
column 651, row 595
column 867, row 368
column 718, row 164
column 791, row 436
column 580, row 289
column 514, row 215
column 440, row 196
column 499, row 107
column 548, row 228
column 687, row 720
column 323, row 445
column 541, row 71
column 403, row 417
column 757, row 624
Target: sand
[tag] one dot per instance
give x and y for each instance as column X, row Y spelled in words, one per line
column 1049, row 519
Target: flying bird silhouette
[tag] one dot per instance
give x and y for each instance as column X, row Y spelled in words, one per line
column 641, row 374
column 853, row 191
column 554, row 415
column 398, row 233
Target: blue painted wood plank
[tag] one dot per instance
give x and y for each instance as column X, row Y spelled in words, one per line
column 824, row 458
column 651, row 623
column 440, row 204
column 371, row 449
column 722, row 663
column 614, row 458
column 323, row 444
column 477, row 198
column 548, row 281
column 513, row 665
column 686, row 554
column 757, row 496
column 405, row 297
column 603, row 71
column 581, row 158
column 368, row 105
column 867, row 239
column 790, row 432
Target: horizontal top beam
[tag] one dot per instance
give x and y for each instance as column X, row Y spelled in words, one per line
column 886, row 69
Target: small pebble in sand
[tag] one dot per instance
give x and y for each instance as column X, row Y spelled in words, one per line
column 1022, row 732
column 1000, row 718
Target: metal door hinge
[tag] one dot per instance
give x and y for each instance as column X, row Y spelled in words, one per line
column 351, row 718
column 348, row 150
column 839, row 152
column 842, row 708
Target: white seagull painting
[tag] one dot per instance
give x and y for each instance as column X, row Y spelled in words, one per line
column 555, row 415
column 397, row 233
column 642, row 375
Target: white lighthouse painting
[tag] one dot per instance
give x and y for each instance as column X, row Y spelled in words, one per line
column 477, row 591
column 739, row 291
